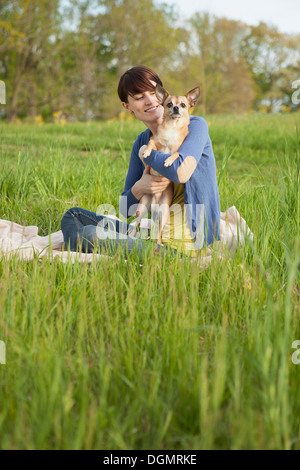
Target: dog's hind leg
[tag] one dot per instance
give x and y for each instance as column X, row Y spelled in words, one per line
column 163, row 217
column 142, row 209
column 164, row 210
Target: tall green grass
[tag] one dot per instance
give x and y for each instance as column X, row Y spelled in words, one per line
column 115, row 355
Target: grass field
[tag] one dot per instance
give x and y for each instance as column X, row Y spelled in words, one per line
column 161, row 356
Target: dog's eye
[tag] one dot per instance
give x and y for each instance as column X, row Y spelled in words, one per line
column 183, row 105
column 169, row 105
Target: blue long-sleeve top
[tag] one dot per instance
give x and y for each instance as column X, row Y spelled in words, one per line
column 195, row 168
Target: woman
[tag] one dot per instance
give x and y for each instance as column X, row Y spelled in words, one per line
column 195, row 212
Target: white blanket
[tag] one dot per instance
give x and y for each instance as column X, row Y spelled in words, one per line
column 25, row 243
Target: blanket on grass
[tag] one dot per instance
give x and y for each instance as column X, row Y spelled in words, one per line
column 25, row 243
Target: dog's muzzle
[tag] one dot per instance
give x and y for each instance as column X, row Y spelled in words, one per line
column 176, row 112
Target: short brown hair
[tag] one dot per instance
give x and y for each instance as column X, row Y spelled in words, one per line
column 137, row 80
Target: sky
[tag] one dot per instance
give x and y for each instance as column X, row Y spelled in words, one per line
column 285, row 14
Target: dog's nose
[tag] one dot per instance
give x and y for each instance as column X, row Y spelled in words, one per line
column 176, row 109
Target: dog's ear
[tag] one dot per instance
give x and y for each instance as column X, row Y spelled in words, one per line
column 193, row 95
column 161, row 94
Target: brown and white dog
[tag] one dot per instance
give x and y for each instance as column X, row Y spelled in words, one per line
column 169, row 137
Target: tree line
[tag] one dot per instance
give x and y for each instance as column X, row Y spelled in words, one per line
column 68, row 56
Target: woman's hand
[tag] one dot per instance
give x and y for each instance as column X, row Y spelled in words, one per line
column 149, row 184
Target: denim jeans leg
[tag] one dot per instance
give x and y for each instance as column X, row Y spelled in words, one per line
column 84, row 230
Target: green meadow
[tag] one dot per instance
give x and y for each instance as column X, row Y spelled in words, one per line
column 163, row 355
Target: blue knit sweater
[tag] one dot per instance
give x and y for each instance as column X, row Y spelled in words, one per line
column 195, row 168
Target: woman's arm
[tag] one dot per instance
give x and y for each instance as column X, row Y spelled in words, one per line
column 190, row 153
column 135, row 171
column 149, row 184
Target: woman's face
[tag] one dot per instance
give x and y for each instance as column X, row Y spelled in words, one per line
column 145, row 107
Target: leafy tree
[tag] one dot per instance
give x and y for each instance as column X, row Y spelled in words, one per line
column 263, row 51
column 226, row 82
column 68, row 55
column 26, row 27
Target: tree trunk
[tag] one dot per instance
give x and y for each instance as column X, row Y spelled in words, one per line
column 13, row 109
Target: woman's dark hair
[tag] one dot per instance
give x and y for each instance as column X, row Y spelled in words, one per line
column 137, row 80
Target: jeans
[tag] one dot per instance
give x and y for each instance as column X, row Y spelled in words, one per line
column 84, row 231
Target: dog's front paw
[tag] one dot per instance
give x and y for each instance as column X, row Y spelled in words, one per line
column 168, row 162
column 146, row 153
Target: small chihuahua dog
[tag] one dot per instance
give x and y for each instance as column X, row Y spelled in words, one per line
column 169, row 137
